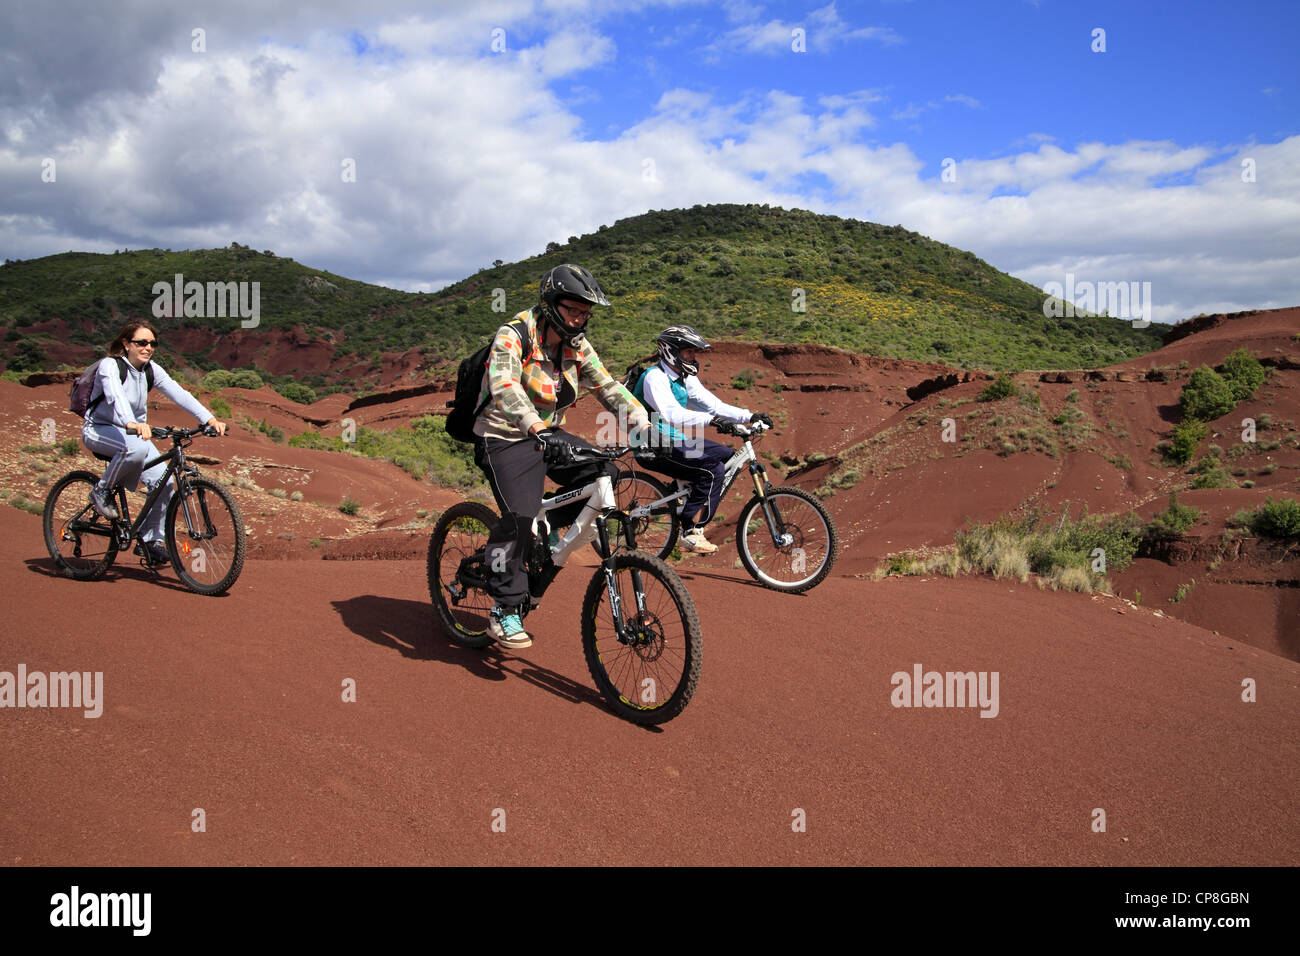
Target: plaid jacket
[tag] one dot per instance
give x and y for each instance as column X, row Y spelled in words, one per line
column 528, row 388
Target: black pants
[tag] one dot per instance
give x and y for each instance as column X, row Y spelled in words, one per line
column 704, row 466
column 516, row 472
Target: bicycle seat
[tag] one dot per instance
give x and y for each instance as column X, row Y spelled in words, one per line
column 102, row 457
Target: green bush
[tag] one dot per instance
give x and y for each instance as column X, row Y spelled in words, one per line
column 1172, row 522
column 348, row 506
column 296, row 392
column 743, row 379
column 1206, row 396
column 219, row 407
column 1244, row 374
column 424, row 450
column 217, row 380
column 246, row 379
column 27, row 357
column 1187, row 435
column 1216, row 477
column 1001, row 387
column 1276, row 519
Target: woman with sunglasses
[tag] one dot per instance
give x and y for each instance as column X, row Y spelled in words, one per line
column 116, row 424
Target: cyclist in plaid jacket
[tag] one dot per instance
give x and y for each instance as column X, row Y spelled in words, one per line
column 520, row 441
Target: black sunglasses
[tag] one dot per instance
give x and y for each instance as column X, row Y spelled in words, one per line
column 143, row 342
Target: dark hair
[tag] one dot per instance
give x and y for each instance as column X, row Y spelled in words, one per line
column 127, row 332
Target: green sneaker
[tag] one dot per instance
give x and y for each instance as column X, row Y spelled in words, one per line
column 507, row 627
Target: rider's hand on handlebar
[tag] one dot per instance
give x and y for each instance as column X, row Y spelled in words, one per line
column 140, row 428
column 726, row 426
column 554, row 450
column 215, row 427
column 761, row 418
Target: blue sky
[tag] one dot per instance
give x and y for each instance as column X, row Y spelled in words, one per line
column 483, row 131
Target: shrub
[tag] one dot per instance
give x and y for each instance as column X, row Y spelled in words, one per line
column 220, row 407
column 297, row 392
column 1001, row 387
column 279, row 493
column 1187, row 435
column 348, row 506
column 27, row 357
column 1207, row 395
column 1275, row 519
column 246, row 379
column 296, row 496
column 1213, row 478
column 743, row 379
column 1244, row 374
column 69, row 447
column 1172, row 522
column 218, row 379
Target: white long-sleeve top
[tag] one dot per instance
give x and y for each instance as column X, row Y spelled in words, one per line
column 701, row 404
column 127, row 400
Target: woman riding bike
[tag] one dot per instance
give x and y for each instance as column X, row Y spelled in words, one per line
column 119, row 405
column 673, row 392
column 520, row 442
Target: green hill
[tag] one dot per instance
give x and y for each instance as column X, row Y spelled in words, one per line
column 742, row 272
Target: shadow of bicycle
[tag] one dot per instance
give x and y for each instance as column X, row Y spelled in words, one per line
column 118, row 572
column 413, row 630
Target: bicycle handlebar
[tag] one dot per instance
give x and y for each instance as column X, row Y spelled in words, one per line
column 178, row 434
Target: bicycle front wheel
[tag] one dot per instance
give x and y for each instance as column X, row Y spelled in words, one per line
column 205, row 536
column 649, row 673
column 80, row 542
column 460, row 600
column 806, row 544
column 656, row 532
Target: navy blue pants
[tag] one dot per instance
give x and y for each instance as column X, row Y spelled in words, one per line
column 704, row 465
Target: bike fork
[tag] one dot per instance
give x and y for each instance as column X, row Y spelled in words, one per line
column 772, row 515
column 611, row 580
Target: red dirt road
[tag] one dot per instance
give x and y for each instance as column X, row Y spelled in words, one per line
column 234, row 705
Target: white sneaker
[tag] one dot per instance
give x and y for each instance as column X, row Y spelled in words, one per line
column 506, row 627
column 694, row 540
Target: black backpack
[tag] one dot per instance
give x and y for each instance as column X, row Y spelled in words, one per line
column 632, row 377
column 465, row 408
column 79, row 398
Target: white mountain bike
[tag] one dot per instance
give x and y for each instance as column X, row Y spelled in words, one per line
column 786, row 539
column 640, row 629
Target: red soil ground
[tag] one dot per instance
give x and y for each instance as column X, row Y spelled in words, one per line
column 1104, row 704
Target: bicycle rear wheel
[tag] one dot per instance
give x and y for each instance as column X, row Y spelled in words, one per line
column 80, row 542
column 655, row 533
column 205, row 536
column 804, row 559
column 462, row 605
column 650, row 675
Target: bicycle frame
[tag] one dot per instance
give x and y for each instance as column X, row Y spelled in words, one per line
column 745, row 455
column 591, row 522
column 178, row 469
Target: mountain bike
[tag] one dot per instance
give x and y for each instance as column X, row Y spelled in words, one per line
column 786, row 539
column 203, row 529
column 640, row 629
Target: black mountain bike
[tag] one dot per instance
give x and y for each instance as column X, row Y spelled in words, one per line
column 204, row 530
column 786, row 539
column 640, row 629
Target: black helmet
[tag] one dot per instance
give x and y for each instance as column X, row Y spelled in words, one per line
column 568, row 282
column 673, row 340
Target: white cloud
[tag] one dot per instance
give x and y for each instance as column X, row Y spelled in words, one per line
column 823, row 29
column 463, row 157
